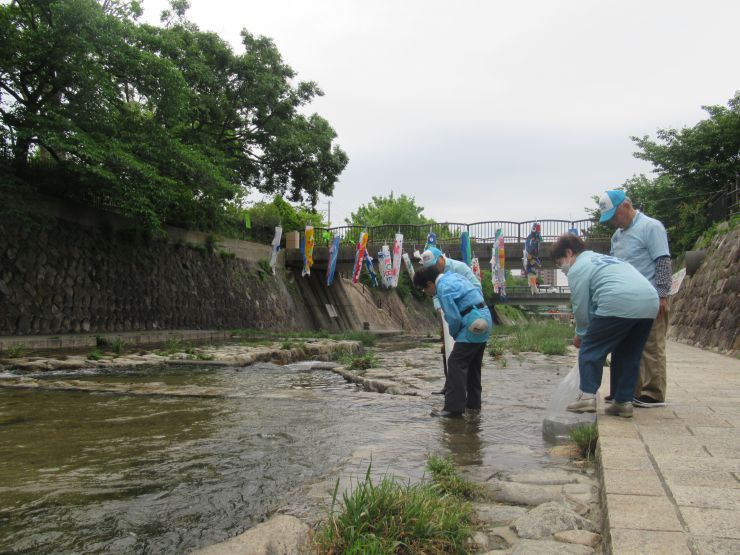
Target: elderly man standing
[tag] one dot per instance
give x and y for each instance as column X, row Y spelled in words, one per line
column 642, row 241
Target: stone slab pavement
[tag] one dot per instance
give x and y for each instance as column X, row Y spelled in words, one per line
column 671, row 476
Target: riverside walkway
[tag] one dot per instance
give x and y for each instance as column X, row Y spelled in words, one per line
column 671, row 476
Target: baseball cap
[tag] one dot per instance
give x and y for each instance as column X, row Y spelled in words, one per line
column 430, row 256
column 608, row 204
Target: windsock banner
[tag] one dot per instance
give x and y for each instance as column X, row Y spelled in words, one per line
column 475, row 266
column 466, row 255
column 397, row 252
column 498, row 260
column 275, row 247
column 431, row 240
column 359, row 256
column 370, row 269
column 409, row 266
column 386, row 266
column 333, row 254
column 308, row 252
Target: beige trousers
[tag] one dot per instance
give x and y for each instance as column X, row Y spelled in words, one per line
column 652, row 378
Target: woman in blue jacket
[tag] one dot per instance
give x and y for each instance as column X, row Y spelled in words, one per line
column 470, row 325
column 614, row 307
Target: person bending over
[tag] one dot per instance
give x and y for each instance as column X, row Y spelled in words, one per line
column 614, row 307
column 470, row 325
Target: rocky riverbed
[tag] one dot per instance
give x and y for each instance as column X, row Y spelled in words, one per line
column 551, row 509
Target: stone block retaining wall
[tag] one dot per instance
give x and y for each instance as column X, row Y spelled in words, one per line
column 61, row 277
column 704, row 313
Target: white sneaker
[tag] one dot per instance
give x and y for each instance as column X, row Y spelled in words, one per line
column 585, row 402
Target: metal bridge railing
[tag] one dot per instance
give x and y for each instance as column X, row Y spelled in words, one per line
column 479, row 232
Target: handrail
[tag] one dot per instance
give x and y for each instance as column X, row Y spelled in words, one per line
column 479, row 232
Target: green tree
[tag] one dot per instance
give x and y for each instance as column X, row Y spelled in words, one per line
column 693, row 165
column 166, row 124
column 389, row 210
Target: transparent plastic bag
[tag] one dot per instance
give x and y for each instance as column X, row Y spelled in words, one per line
column 558, row 421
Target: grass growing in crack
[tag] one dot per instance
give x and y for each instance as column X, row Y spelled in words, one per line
column 355, row 362
column 15, row 351
column 550, row 338
column 449, row 482
column 585, row 437
column 394, row 517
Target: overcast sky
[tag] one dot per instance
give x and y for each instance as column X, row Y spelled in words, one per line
column 492, row 110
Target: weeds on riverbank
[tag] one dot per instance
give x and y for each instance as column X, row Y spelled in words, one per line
column 585, row 437
column 449, row 482
column 393, row 517
column 355, row 362
column 366, row 338
column 15, row 351
column 550, row 338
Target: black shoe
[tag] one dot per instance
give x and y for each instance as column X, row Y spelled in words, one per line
column 445, row 413
column 645, row 401
column 440, row 392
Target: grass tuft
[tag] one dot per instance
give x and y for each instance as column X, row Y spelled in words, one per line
column 585, row 437
column 392, row 517
column 550, row 338
column 449, row 482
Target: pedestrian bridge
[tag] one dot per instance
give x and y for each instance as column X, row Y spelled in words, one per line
column 482, row 236
column 547, row 295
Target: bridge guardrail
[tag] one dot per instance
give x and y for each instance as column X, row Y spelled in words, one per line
column 479, row 232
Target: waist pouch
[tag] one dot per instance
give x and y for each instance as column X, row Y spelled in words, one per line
column 477, row 326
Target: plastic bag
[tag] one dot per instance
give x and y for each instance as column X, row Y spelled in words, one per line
column 558, row 421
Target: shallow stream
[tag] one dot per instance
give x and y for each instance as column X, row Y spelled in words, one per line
column 85, row 472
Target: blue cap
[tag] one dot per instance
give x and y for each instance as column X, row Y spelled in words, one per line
column 608, row 204
column 430, row 256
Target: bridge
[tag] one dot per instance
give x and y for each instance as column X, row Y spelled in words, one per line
column 482, row 236
column 548, row 295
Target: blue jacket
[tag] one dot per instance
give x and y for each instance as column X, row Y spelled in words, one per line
column 456, row 294
column 602, row 285
column 464, row 270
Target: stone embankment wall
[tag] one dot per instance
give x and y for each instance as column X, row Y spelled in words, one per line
column 58, row 277
column 64, row 269
column 705, row 312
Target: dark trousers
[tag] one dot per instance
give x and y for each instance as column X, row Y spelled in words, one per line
column 625, row 339
column 463, row 377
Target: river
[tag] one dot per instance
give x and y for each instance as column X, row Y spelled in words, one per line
column 98, row 472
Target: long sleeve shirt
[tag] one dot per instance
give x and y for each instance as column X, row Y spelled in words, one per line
column 602, row 285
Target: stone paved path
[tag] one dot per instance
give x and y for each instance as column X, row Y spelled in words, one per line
column 671, row 476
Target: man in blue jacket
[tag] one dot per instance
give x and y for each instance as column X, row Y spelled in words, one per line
column 470, row 325
column 434, row 257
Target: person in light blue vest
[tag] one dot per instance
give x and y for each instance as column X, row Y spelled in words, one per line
column 434, row 257
column 614, row 307
column 470, row 325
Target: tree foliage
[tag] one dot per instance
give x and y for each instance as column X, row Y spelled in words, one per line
column 389, row 210
column 168, row 124
column 693, row 166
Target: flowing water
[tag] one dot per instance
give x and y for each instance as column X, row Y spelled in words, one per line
column 85, row 472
